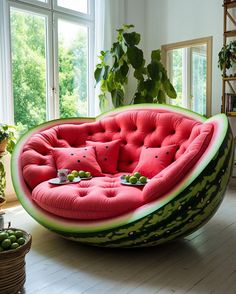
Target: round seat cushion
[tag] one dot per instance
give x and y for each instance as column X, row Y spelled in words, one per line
column 98, row 198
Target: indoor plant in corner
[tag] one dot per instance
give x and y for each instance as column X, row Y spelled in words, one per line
column 227, row 56
column 7, row 143
column 113, row 71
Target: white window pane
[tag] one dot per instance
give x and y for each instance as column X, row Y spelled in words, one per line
column 76, row 5
column 73, row 69
column 28, row 32
column 198, row 78
column 175, row 61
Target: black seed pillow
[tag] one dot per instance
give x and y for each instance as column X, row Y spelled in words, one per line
column 77, row 159
column 107, row 154
column 154, row 160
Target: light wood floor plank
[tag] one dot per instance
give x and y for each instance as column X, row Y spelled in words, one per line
column 202, row 263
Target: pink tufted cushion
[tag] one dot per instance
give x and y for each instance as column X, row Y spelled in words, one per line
column 83, row 158
column 98, row 198
column 171, row 175
column 107, row 154
column 134, row 129
column 154, row 160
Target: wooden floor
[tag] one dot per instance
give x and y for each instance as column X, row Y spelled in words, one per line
column 205, row 262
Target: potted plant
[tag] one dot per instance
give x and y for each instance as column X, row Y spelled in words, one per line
column 7, row 143
column 227, row 56
column 7, row 138
column 123, row 58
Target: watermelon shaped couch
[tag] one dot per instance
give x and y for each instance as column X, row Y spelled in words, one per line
column 188, row 158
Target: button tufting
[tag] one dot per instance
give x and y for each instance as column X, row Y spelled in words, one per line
column 110, row 194
column 83, row 193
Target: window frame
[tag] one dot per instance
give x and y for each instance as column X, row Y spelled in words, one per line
column 52, row 73
column 188, row 44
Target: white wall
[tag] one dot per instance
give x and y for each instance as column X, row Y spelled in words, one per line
column 170, row 21
column 135, row 11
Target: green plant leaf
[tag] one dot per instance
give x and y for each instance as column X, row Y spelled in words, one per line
column 135, row 57
column 106, row 72
column 161, row 97
column 117, row 50
column 169, row 89
column 124, row 69
column 138, row 74
column 117, row 96
column 98, row 74
column 128, row 26
column 138, row 98
column 156, row 55
column 110, row 81
column 103, row 102
column 131, row 39
column 154, row 70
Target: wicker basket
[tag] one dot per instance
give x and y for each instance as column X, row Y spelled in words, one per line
column 12, row 267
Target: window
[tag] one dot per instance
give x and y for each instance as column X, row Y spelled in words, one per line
column 78, row 5
column 50, row 47
column 189, row 68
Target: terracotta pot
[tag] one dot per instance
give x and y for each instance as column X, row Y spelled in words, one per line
column 3, row 145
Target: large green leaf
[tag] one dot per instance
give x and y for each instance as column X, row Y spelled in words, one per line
column 117, row 50
column 124, row 69
column 154, row 70
column 135, row 57
column 131, row 39
column 169, row 89
column 98, row 74
column 161, row 97
column 138, row 74
column 103, row 102
column 106, row 72
column 138, row 98
column 156, row 55
column 110, row 82
column 117, row 96
column 152, row 87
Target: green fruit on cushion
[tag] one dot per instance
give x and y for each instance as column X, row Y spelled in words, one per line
column 82, row 174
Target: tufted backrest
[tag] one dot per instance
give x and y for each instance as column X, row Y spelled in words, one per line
column 135, row 128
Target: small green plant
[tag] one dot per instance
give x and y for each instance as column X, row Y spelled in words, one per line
column 227, row 56
column 113, row 71
column 7, row 133
column 7, row 141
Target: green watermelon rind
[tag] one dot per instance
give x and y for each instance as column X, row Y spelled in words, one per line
column 76, row 227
